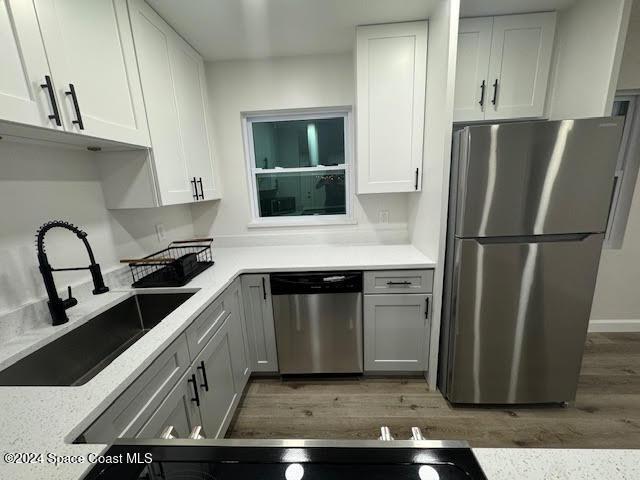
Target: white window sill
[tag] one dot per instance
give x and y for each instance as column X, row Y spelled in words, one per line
column 310, row 221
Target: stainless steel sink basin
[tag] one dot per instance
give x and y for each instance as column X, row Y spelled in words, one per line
column 78, row 356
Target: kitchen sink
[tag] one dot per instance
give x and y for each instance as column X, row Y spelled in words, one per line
column 78, row 356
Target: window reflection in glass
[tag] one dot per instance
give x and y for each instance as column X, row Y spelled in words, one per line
column 298, row 143
column 301, row 193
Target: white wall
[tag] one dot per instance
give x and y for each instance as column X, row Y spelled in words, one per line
column 630, row 69
column 587, row 57
column 272, row 84
column 616, row 304
column 428, row 208
column 40, row 183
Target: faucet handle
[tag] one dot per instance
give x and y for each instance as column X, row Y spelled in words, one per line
column 71, row 301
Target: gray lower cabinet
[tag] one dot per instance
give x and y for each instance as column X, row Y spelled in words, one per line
column 162, row 395
column 216, row 388
column 131, row 410
column 258, row 310
column 238, row 336
column 178, row 410
column 206, row 325
column 396, row 332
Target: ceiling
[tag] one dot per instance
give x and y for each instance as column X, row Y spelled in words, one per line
column 478, row 8
column 234, row 29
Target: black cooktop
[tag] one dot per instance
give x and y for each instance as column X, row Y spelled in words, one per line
column 287, row 460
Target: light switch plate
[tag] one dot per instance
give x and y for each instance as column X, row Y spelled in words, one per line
column 383, row 216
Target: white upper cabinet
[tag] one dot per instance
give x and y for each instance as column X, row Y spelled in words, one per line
column 25, row 69
column 472, row 68
column 512, row 81
column 90, row 51
column 391, row 68
column 174, row 90
column 521, row 48
column 190, row 88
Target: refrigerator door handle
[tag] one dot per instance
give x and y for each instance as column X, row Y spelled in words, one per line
column 562, row 237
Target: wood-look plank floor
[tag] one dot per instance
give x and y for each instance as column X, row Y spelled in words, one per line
column 606, row 413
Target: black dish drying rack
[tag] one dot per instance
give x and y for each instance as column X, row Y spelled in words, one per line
column 174, row 266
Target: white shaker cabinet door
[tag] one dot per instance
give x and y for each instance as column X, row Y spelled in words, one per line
column 472, row 85
column 90, row 50
column 154, row 39
column 396, row 332
column 391, row 68
column 519, row 67
column 25, row 69
column 190, row 91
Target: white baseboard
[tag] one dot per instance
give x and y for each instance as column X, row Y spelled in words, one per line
column 615, row 325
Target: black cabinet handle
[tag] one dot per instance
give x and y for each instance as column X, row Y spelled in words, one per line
column 52, row 97
column 416, row 186
column 196, row 398
column 399, row 283
column 264, row 290
column 76, row 106
column 201, row 189
column 195, row 188
column 495, row 92
column 483, row 87
column 204, row 376
column 426, row 308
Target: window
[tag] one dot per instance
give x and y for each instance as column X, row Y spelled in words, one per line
column 299, row 167
column 626, row 170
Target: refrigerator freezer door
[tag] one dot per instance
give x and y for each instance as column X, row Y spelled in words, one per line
column 536, row 178
column 519, row 319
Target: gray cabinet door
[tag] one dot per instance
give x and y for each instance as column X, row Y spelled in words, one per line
column 258, row 309
column 396, row 332
column 178, row 410
column 131, row 410
column 238, row 336
column 216, row 388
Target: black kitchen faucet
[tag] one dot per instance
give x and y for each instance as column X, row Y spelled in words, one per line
column 57, row 306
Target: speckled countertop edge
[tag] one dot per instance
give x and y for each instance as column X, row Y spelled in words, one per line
column 46, row 419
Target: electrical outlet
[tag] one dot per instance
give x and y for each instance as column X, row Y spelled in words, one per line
column 160, row 232
column 383, row 216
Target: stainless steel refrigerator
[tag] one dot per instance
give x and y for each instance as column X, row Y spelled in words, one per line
column 528, row 209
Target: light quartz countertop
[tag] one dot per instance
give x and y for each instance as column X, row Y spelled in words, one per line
column 47, row 419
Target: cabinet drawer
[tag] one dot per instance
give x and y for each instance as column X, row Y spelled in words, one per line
column 206, row 325
column 398, row 281
column 134, row 407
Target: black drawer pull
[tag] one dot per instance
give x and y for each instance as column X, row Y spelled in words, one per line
column 76, row 106
column 196, row 398
column 195, row 188
column 264, row 290
column 399, row 283
column 495, row 92
column 204, row 376
column 52, row 96
column 201, row 189
column 483, row 87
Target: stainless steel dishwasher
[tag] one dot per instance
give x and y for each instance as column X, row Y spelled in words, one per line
column 318, row 322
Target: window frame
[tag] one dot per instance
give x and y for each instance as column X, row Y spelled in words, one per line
column 249, row 118
column 626, row 173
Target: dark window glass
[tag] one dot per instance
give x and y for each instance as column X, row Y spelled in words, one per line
column 298, row 143
column 301, row 193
